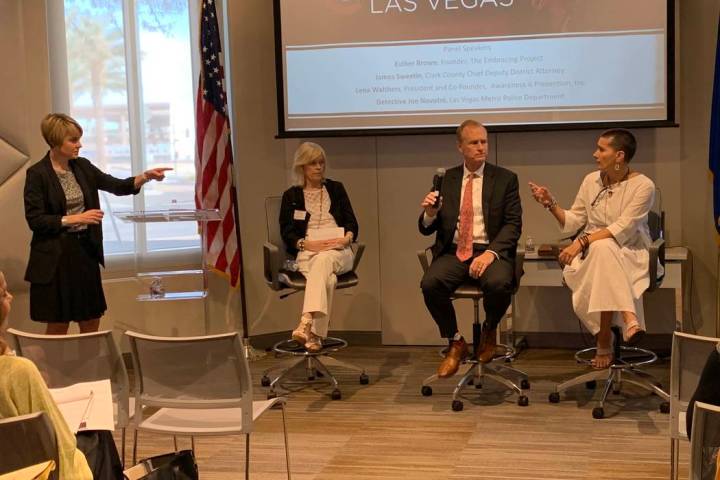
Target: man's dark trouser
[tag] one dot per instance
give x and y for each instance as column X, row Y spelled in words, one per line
column 447, row 272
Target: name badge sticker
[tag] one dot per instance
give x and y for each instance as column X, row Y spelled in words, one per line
column 299, row 215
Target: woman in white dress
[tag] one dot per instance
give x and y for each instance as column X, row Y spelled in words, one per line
column 606, row 266
column 313, row 205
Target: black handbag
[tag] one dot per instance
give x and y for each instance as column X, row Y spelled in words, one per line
column 169, row 466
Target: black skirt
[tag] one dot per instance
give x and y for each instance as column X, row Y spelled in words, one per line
column 75, row 292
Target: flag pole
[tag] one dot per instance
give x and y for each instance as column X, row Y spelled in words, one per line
column 250, row 352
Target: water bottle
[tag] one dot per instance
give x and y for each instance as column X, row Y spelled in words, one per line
column 156, row 288
column 291, row 265
column 529, row 245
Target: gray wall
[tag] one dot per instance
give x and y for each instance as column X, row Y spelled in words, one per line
column 386, row 178
column 25, row 99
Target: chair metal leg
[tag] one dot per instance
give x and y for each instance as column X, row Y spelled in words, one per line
column 674, row 458
column 284, row 365
column 296, row 365
column 606, row 391
column 509, row 384
column 134, row 455
column 652, row 383
column 431, row 379
column 175, row 443
column 581, row 379
column 247, row 456
column 648, row 386
column 518, row 343
column 192, row 444
column 476, row 372
column 501, row 369
column 287, row 446
column 309, row 369
column 470, row 374
column 328, row 376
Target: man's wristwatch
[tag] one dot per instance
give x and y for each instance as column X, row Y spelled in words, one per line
column 301, row 244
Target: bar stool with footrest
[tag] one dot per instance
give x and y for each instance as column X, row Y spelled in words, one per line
column 497, row 369
column 303, row 368
column 625, row 367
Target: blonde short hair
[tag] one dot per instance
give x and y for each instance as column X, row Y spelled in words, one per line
column 56, row 126
column 306, row 153
column 463, row 126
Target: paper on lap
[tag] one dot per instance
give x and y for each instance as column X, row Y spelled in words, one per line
column 90, row 402
column 325, row 233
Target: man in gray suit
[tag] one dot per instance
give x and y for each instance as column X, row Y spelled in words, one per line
column 477, row 222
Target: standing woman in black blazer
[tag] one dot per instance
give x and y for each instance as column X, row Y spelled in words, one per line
column 316, row 203
column 62, row 208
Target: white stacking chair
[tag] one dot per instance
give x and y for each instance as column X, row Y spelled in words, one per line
column 689, row 355
column 200, row 386
column 705, row 442
column 66, row 360
column 27, row 440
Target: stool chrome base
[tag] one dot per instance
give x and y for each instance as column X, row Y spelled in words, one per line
column 306, row 369
column 496, row 370
column 624, row 369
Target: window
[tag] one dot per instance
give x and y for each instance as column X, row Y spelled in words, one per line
column 130, row 84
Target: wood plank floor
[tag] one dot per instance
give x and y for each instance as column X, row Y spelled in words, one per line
column 387, row 430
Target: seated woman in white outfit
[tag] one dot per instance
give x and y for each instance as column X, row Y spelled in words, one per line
column 606, row 266
column 309, row 212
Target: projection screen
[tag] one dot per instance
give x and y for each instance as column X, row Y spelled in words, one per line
column 348, row 67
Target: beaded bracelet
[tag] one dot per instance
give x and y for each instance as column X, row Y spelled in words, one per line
column 584, row 244
column 549, row 206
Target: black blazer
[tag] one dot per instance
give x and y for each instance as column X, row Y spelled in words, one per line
column 45, row 206
column 501, row 207
column 293, row 199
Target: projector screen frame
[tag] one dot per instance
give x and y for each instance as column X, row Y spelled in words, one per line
column 669, row 122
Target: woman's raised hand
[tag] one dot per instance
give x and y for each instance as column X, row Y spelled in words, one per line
column 541, row 194
column 157, row 174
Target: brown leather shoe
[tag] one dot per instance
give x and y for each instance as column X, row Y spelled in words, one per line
column 455, row 355
column 486, row 349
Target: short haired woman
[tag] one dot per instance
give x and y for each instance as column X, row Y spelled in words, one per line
column 62, row 208
column 315, row 203
column 606, row 266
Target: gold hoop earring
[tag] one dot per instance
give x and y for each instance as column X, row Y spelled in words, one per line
column 617, row 167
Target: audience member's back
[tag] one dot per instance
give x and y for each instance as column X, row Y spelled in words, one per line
column 708, row 389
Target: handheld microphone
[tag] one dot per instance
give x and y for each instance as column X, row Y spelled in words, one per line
column 437, row 183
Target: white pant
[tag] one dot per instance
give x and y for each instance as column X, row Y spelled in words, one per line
column 321, row 270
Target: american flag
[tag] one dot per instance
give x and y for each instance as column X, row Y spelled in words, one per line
column 213, row 156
